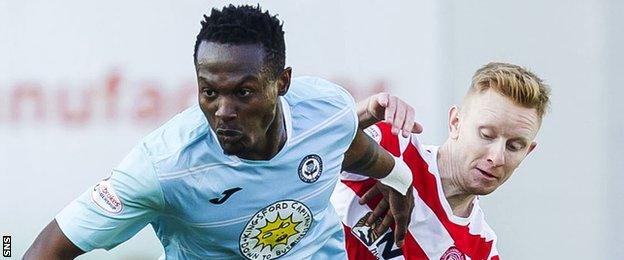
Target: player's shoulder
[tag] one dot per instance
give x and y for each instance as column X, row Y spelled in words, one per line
column 180, row 131
column 316, row 104
column 309, row 89
column 477, row 225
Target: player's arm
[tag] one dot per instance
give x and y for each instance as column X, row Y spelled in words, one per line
column 107, row 214
column 367, row 158
column 52, row 244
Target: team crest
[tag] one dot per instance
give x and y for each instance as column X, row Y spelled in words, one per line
column 105, row 197
column 453, row 254
column 275, row 230
column 310, row 168
column 366, row 233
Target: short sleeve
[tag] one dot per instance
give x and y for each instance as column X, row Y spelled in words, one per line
column 351, row 106
column 116, row 208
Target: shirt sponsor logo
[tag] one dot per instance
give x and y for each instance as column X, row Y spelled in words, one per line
column 382, row 246
column 104, row 196
column 364, row 232
column 275, row 230
column 453, row 254
column 310, row 168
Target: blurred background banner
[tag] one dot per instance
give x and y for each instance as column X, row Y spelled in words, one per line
column 82, row 81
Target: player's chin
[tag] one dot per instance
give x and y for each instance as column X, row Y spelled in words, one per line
column 483, row 189
column 232, row 148
column 481, row 184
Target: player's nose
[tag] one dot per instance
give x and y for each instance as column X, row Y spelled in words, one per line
column 496, row 154
column 226, row 109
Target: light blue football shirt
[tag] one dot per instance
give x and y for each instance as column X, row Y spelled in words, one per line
column 204, row 204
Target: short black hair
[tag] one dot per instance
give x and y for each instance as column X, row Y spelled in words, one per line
column 246, row 24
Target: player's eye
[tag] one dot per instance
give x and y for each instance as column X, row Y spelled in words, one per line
column 515, row 146
column 209, row 93
column 243, row 92
column 486, row 136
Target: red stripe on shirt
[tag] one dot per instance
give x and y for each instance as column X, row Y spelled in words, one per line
column 412, row 250
column 389, row 141
column 361, row 187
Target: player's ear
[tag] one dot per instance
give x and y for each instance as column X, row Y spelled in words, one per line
column 453, row 122
column 283, row 82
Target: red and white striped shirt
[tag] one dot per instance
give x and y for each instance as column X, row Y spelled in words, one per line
column 434, row 232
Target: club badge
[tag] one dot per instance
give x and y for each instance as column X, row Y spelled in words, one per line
column 310, row 168
column 453, row 254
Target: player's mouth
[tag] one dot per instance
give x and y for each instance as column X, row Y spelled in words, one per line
column 229, row 135
column 487, row 175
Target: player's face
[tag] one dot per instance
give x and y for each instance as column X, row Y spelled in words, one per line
column 235, row 96
column 492, row 136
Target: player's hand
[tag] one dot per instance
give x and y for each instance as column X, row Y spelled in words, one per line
column 395, row 111
column 394, row 207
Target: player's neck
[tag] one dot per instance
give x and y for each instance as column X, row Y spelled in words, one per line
column 275, row 138
column 459, row 200
column 277, row 132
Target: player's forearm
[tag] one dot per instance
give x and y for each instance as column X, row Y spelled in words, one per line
column 365, row 118
column 52, row 244
column 366, row 158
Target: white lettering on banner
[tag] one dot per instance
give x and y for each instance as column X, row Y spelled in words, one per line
column 114, row 100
